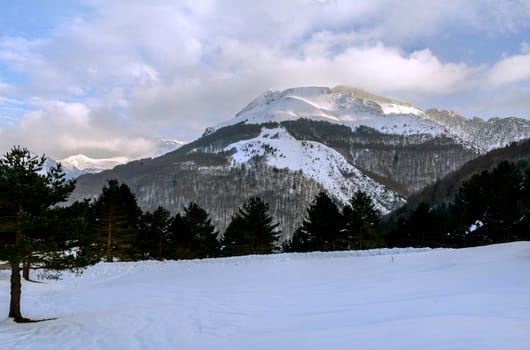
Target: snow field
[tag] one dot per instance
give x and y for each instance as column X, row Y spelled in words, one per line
column 476, row 298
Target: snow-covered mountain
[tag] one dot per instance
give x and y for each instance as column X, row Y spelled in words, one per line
column 341, row 105
column 80, row 164
column 70, row 172
column 285, row 146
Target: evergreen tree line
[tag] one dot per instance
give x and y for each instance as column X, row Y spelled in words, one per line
column 125, row 233
column 326, row 227
column 113, row 227
column 490, row 207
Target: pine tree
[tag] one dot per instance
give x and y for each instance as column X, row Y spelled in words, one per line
column 27, row 191
column 360, row 221
column 251, row 230
column 204, row 236
column 521, row 229
column 118, row 217
column 491, row 199
column 154, row 234
column 507, row 181
column 71, row 227
column 321, row 229
column 301, row 242
column 180, row 239
column 191, row 235
column 418, row 225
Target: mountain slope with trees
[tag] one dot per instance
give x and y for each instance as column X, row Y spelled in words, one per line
column 443, row 191
column 489, row 207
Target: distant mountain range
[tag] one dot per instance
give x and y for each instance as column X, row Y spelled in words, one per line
column 285, row 146
column 79, row 164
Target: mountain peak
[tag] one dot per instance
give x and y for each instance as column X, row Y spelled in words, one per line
column 365, row 95
column 342, row 93
column 339, row 105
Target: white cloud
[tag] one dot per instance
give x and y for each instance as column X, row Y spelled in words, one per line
column 509, row 70
column 62, row 129
column 148, row 40
column 242, row 71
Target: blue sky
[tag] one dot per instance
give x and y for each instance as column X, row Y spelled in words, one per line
column 108, row 78
column 29, row 18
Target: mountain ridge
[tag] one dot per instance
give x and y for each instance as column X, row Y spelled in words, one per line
column 355, row 107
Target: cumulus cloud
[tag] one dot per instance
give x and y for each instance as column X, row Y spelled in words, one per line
column 61, row 129
column 220, row 92
column 106, row 82
column 511, row 69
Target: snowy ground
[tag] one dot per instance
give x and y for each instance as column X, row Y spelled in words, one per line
column 475, row 298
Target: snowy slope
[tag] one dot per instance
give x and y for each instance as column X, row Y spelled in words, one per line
column 318, row 162
column 473, row 298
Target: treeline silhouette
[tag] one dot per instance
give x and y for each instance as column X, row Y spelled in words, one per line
column 120, row 230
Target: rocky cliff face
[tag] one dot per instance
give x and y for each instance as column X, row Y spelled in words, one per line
column 286, row 146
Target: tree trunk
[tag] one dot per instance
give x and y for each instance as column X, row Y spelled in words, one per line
column 16, row 285
column 25, row 269
column 16, row 290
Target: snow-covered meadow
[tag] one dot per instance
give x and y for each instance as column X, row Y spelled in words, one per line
column 476, row 298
